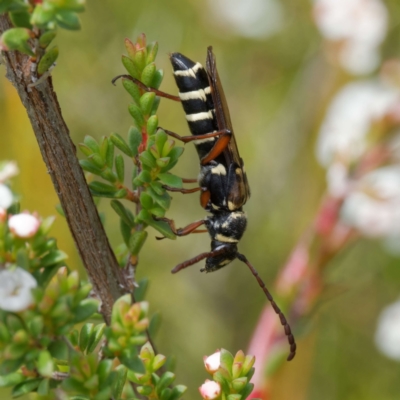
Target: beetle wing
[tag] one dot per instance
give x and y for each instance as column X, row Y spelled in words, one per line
column 239, row 191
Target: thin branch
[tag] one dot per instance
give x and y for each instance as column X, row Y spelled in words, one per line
column 59, row 154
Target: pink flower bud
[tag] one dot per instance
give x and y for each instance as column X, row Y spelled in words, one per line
column 212, row 362
column 23, row 225
column 210, row 390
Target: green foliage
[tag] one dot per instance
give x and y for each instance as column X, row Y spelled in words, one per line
column 39, row 20
column 146, row 149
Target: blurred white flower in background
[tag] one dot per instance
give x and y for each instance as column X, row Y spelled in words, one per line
column 358, row 27
column 250, row 18
column 344, row 133
column 6, row 196
column 24, row 225
column 8, row 170
column 373, row 206
column 387, row 336
column 15, row 289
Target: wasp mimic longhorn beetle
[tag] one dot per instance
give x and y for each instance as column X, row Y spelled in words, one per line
column 222, row 179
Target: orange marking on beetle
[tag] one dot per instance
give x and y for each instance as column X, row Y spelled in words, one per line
column 217, row 149
column 204, row 198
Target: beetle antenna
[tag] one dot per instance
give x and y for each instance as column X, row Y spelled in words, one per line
column 286, row 326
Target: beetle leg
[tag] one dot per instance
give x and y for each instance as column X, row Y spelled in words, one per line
column 191, row 138
column 146, row 88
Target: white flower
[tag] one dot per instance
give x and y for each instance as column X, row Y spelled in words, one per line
column 23, row 225
column 344, row 133
column 373, row 207
column 250, row 18
column 387, row 336
column 359, row 26
column 6, row 196
column 8, row 170
column 212, row 362
column 15, row 289
column 210, row 390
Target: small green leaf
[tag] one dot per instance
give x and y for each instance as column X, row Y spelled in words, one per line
column 101, row 187
column 86, row 150
column 108, row 175
column 226, row 360
column 148, row 74
column 137, row 241
column 247, row 390
column 110, row 154
column 44, row 387
column 52, row 258
column 140, row 291
column 85, row 309
column 21, row 18
column 97, row 160
column 147, row 159
column 11, row 379
column 17, row 39
column 120, row 167
column 123, row 213
column 95, row 337
column 154, row 326
column 152, row 125
column 170, row 180
column 86, row 332
column 162, row 162
column 158, row 77
column 41, row 16
column 177, row 392
column 130, row 67
column 104, row 147
column 165, row 394
column 119, row 381
column 144, row 177
column 25, row 387
column 168, row 146
column 161, row 227
column 46, row 38
column 91, row 142
column 45, row 364
column 140, row 59
column 132, row 89
column 121, row 144
column 48, row 59
column 152, row 50
column 134, row 139
column 163, row 200
column 68, row 20
column 160, row 139
column 125, row 231
column 146, row 201
column 136, row 114
column 88, row 166
column 156, row 104
column 146, row 103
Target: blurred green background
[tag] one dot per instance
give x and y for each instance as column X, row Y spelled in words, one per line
column 278, row 85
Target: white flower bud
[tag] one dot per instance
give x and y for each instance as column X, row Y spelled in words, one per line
column 23, row 225
column 210, row 390
column 212, row 362
column 15, row 289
